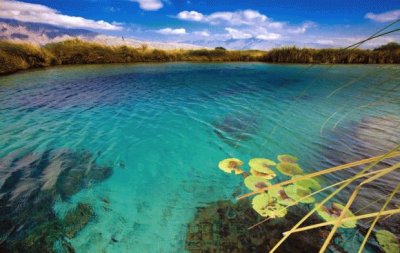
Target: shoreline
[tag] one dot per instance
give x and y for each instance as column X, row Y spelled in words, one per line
column 16, row 57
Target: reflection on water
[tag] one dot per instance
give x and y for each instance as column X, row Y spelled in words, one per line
column 163, row 129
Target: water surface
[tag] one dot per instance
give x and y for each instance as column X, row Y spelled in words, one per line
column 164, row 127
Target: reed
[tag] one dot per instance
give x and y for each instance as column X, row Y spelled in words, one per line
column 369, row 177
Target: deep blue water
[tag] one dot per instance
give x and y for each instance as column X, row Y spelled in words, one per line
column 163, row 128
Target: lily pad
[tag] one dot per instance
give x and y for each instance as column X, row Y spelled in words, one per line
column 285, row 158
column 268, row 174
column 280, row 196
column 231, row 164
column 330, row 214
column 289, row 169
column 308, row 183
column 298, row 193
column 265, row 206
column 388, row 241
column 255, row 183
column 261, row 164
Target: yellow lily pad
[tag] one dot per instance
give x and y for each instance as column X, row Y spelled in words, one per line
column 255, row 183
column 280, row 196
column 269, row 174
column 388, row 241
column 289, row 169
column 308, row 183
column 330, row 214
column 285, row 158
column 298, row 193
column 261, row 164
column 231, row 164
column 266, row 207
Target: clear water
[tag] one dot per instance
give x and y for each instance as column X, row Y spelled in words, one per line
column 164, row 127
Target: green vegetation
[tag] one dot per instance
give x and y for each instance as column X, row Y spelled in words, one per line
column 272, row 200
column 20, row 56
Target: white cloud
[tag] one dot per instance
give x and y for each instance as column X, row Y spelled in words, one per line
column 37, row 13
column 236, row 18
column 149, row 5
column 203, row 33
column 302, row 29
column 238, row 35
column 268, row 36
column 384, row 17
column 246, row 24
column 170, row 31
column 190, row 15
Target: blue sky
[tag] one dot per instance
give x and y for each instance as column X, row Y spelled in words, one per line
column 270, row 23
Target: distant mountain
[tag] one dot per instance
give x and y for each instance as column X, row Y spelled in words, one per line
column 41, row 34
column 38, row 33
column 242, row 44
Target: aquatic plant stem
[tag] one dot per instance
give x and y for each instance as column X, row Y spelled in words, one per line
column 350, row 202
column 323, row 172
column 377, row 217
column 359, row 217
column 330, row 196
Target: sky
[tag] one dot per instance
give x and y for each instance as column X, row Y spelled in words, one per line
column 231, row 23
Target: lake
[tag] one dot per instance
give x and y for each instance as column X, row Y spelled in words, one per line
column 148, row 138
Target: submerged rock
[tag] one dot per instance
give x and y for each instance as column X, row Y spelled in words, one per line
column 30, row 184
column 76, row 219
column 233, row 129
column 223, row 227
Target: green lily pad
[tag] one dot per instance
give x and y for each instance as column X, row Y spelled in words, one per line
column 268, row 174
column 261, row 164
column 264, row 205
column 231, row 164
column 255, row 183
column 285, row 158
column 330, row 214
column 308, row 183
column 388, row 241
column 280, row 196
column 289, row 169
column 298, row 193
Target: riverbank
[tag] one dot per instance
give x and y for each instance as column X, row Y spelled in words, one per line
column 21, row 56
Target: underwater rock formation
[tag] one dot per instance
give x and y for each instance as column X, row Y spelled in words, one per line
column 223, row 227
column 233, row 129
column 30, row 184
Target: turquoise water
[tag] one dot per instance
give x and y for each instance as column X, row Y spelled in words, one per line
column 163, row 128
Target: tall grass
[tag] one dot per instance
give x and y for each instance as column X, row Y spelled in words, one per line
column 20, row 56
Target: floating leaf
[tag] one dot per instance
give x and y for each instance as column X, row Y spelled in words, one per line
column 280, row 196
column 289, row 169
column 298, row 193
column 255, row 183
column 261, row 164
column 231, row 164
column 308, row 183
column 269, row 174
column 287, row 158
column 388, row 241
column 260, row 201
column 266, row 207
column 330, row 214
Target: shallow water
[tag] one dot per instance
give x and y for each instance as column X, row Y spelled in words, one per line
column 164, row 127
